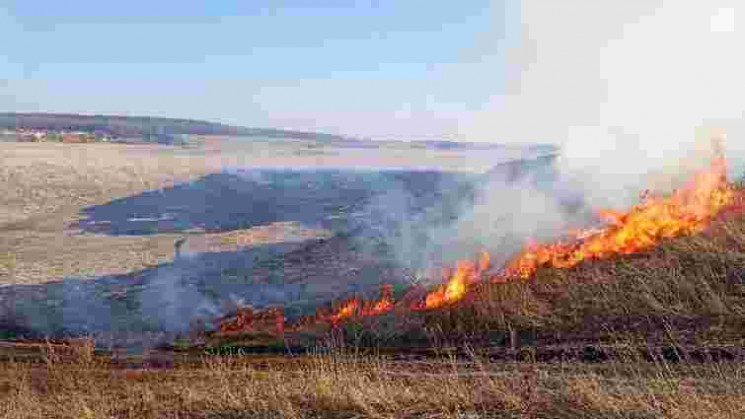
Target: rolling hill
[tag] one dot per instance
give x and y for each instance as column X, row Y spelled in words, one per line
column 145, row 127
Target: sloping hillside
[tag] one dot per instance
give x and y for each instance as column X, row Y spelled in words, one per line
column 138, row 126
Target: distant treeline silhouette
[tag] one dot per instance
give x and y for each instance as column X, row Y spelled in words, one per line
column 139, row 126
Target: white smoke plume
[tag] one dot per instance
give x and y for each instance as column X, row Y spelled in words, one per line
column 632, row 92
column 628, row 89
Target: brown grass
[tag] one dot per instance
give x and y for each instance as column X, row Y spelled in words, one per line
column 689, row 291
column 46, row 185
column 342, row 384
column 697, row 278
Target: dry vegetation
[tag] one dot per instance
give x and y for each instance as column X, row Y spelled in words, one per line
column 342, row 384
column 46, row 185
column 688, row 293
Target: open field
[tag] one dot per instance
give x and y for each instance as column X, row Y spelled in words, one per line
column 343, row 384
column 657, row 334
column 686, row 299
column 47, row 185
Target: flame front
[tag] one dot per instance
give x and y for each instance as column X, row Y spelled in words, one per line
column 247, row 319
column 356, row 307
column 466, row 274
column 686, row 212
column 381, row 306
column 348, row 309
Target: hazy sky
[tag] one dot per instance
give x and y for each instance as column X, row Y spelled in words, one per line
column 586, row 74
column 333, row 65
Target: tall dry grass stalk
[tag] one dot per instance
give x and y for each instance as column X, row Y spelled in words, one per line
column 340, row 382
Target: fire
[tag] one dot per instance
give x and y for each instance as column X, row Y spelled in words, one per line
column 381, row 306
column 246, row 319
column 686, row 212
column 348, row 309
column 356, row 307
column 466, row 274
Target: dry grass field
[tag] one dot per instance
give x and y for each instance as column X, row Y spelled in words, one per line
column 630, row 337
column 46, row 185
column 344, row 384
column 680, row 302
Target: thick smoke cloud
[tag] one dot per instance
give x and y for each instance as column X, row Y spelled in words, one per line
column 628, row 89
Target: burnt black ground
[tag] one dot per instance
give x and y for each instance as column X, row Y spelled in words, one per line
column 365, row 210
column 236, row 200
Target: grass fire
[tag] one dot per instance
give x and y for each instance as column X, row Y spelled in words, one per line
column 395, row 210
column 684, row 212
column 642, row 313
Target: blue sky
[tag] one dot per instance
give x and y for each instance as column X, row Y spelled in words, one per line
column 376, row 68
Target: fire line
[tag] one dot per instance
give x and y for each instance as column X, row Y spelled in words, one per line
column 685, row 212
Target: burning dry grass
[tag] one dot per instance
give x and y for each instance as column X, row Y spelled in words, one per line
column 699, row 276
column 345, row 385
column 686, row 212
column 686, row 291
column 689, row 291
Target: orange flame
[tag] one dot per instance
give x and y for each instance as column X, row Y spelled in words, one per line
column 246, row 319
column 348, row 309
column 356, row 307
column 466, row 274
column 381, row 306
column 686, row 212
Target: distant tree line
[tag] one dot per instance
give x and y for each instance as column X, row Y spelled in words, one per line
column 143, row 127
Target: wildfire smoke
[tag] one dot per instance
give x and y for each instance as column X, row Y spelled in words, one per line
column 684, row 212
